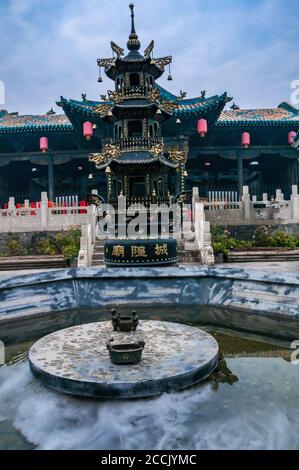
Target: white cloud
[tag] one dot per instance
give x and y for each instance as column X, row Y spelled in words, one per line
column 244, row 47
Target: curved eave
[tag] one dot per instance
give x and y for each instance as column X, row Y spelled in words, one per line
column 190, row 109
column 85, row 110
column 35, row 129
column 139, row 158
column 136, row 157
column 104, row 165
column 168, row 163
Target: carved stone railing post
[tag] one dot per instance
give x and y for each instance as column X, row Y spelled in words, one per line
column 295, row 203
column 44, row 211
column 246, row 202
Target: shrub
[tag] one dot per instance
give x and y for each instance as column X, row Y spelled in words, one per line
column 47, row 247
column 68, row 244
column 283, row 239
column 262, row 237
column 15, row 248
column 222, row 241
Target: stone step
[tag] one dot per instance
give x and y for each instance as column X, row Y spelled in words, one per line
column 20, row 267
column 266, row 255
column 98, row 255
column 32, row 262
column 189, row 256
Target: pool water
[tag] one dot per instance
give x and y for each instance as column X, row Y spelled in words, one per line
column 260, row 411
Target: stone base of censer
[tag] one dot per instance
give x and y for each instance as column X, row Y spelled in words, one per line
column 76, row 360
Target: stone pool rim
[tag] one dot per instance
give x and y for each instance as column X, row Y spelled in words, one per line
column 256, row 301
column 149, row 272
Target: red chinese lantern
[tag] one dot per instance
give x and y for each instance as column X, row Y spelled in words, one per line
column 82, row 204
column 44, row 144
column 246, row 139
column 291, row 137
column 33, row 206
column 87, row 130
column 202, row 127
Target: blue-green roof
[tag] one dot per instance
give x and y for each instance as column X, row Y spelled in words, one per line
column 13, row 123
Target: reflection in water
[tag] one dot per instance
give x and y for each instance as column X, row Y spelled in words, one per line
column 259, row 412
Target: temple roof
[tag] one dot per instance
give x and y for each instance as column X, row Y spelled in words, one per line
column 188, row 108
column 196, row 106
column 13, row 123
column 284, row 115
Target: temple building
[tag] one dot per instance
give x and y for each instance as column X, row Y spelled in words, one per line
column 145, row 142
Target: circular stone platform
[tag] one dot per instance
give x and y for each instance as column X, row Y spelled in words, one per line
column 76, row 361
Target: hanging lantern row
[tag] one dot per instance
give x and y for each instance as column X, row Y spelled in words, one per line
column 246, row 138
column 87, row 132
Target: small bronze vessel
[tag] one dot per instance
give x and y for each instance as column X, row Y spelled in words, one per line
column 125, row 354
column 125, row 322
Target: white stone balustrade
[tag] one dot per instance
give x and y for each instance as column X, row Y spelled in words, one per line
column 251, row 210
column 44, row 218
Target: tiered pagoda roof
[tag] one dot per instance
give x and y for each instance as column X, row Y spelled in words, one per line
column 187, row 109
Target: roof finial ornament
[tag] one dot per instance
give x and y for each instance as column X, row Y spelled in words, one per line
column 133, row 43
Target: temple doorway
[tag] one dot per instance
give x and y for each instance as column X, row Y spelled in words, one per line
column 137, row 186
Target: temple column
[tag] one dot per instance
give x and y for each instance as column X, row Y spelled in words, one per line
column 240, row 173
column 295, row 171
column 50, row 176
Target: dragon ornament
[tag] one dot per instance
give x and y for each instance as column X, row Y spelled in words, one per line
column 154, row 94
column 110, row 152
column 169, row 106
column 115, row 96
column 157, row 149
column 102, row 109
column 177, row 155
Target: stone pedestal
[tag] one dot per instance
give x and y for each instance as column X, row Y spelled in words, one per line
column 76, row 361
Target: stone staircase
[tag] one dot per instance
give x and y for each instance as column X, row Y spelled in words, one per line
column 188, row 256
column 265, row 254
column 18, row 263
column 98, row 254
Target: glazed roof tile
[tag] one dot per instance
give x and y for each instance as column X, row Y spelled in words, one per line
column 283, row 115
column 10, row 123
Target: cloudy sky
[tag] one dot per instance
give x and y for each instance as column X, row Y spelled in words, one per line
column 248, row 48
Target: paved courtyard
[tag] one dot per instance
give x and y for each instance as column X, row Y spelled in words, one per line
column 274, row 266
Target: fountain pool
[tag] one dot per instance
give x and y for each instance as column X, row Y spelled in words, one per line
column 260, row 411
